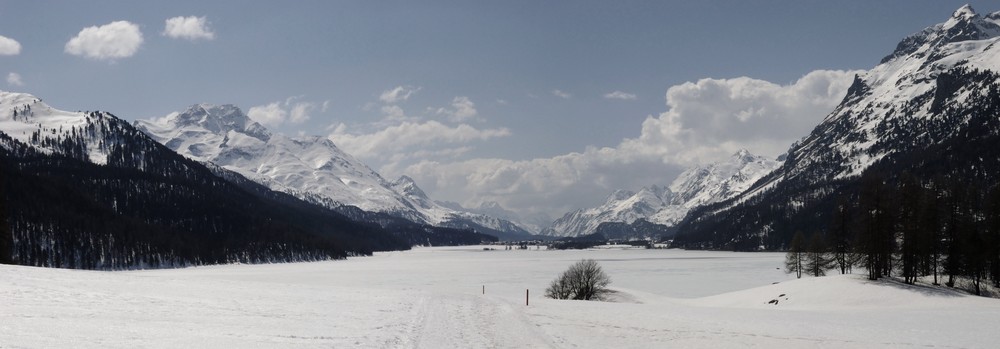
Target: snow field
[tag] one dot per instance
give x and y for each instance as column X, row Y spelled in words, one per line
column 432, row 298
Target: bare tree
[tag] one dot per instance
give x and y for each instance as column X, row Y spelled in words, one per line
column 818, row 258
column 794, row 259
column 584, row 280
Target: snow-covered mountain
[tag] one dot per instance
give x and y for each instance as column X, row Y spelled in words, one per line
column 532, row 224
column 934, row 94
column 88, row 190
column 311, row 167
column 694, row 187
column 82, row 135
column 897, row 96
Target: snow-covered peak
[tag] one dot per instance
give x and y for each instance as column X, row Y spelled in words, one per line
column 28, row 120
column 964, row 25
column 491, row 205
column 653, row 190
column 407, row 186
column 619, row 195
column 667, row 205
column 705, row 184
column 742, row 154
column 964, row 13
column 9, row 99
column 22, row 104
column 311, row 167
column 935, row 88
column 994, row 17
column 877, row 98
column 217, row 119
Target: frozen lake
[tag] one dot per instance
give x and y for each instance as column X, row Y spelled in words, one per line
column 673, row 273
column 432, row 298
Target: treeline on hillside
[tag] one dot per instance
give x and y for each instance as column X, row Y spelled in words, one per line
column 62, row 212
column 640, row 229
column 909, row 228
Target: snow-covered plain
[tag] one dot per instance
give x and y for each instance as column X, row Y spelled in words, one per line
column 432, row 298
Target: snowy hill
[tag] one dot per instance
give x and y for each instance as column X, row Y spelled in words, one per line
column 839, row 292
column 312, row 168
column 934, row 94
column 415, row 299
column 667, row 205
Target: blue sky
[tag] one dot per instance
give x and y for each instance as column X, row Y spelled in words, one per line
column 496, row 91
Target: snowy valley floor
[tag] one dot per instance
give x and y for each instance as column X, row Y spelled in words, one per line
column 432, row 298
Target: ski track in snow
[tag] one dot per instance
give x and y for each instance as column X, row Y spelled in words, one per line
column 453, row 322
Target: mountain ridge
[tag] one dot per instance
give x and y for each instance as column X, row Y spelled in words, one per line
column 310, row 167
column 667, row 205
column 930, row 91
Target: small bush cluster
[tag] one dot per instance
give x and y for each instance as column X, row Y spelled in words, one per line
column 584, row 280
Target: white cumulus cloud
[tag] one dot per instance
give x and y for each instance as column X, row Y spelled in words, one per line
column 398, row 139
column 709, row 119
column 119, row 39
column 14, row 79
column 705, row 121
column 189, row 28
column 393, row 112
column 9, row 47
column 277, row 113
column 398, row 94
column 300, row 112
column 561, row 94
column 271, row 114
column 462, row 109
column 620, row 95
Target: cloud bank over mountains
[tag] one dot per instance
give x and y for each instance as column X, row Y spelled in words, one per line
column 706, row 120
column 399, row 137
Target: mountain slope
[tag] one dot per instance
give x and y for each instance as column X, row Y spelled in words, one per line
column 667, row 205
column 935, row 93
column 87, row 190
column 312, row 168
column 224, row 136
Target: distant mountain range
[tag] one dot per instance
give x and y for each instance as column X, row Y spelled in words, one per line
column 666, row 206
column 89, row 190
column 312, row 168
column 209, row 185
column 933, row 94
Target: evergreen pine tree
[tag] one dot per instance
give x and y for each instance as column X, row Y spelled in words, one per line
column 954, row 231
column 841, row 235
column 909, row 224
column 992, row 208
column 6, row 237
column 875, row 240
